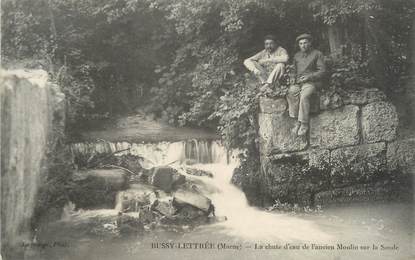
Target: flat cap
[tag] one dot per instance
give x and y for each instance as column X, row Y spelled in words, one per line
column 304, row 36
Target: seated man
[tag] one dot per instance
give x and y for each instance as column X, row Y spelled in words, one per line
column 268, row 65
column 309, row 68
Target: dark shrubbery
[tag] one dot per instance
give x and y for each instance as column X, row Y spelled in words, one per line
column 56, row 188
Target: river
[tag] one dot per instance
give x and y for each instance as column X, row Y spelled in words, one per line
column 360, row 231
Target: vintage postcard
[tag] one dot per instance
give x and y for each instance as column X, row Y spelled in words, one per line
column 207, row 129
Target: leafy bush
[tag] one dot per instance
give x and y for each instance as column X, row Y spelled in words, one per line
column 177, row 58
column 347, row 73
column 56, row 188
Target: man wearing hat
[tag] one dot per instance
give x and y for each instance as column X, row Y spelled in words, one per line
column 309, row 69
column 269, row 64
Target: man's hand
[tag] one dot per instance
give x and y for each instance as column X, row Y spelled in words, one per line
column 265, row 88
column 304, row 78
column 257, row 72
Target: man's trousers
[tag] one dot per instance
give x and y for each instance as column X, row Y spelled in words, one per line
column 298, row 98
column 265, row 76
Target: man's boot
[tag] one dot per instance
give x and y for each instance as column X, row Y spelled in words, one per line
column 296, row 127
column 303, row 129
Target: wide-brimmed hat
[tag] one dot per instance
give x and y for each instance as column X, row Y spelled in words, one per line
column 304, row 36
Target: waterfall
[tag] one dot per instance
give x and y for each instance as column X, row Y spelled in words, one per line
column 162, row 153
column 26, row 121
column 243, row 221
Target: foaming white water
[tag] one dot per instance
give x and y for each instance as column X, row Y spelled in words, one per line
column 243, row 221
column 162, row 153
column 250, row 223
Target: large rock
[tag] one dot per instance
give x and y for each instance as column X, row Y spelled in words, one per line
column 165, row 206
column 32, row 116
column 362, row 96
column 336, row 128
column 401, row 154
column 166, row 178
column 113, row 179
column 272, row 106
column 265, row 132
column 379, row 122
column 319, row 158
column 374, row 95
column 289, row 179
column 356, row 193
column 330, row 100
column 132, row 199
column 97, row 188
column 184, row 197
column 357, row 163
column 275, row 134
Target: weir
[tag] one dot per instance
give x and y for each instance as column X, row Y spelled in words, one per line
column 162, row 153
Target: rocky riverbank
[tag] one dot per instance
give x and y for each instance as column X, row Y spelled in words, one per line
column 351, row 153
column 129, row 199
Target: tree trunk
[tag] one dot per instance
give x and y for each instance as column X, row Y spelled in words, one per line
column 379, row 53
column 335, row 36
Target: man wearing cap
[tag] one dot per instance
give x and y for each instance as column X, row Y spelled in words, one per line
column 269, row 64
column 309, row 69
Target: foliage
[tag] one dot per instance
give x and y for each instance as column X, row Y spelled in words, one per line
column 102, row 53
column 181, row 60
column 331, row 11
column 55, row 191
column 348, row 73
column 248, row 177
column 375, row 33
column 237, row 111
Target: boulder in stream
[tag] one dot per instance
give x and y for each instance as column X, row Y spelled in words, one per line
column 115, row 179
column 166, row 178
column 184, row 197
column 97, row 188
column 138, row 195
column 165, row 206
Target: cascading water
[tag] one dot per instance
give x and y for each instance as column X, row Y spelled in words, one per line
column 252, row 224
column 243, row 221
column 163, row 153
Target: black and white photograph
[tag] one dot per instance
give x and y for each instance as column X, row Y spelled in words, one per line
column 207, row 129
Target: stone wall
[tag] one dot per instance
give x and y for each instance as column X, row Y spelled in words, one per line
column 351, row 142
column 32, row 115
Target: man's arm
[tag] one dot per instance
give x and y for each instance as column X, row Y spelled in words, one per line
column 252, row 62
column 281, row 57
column 293, row 72
column 320, row 68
